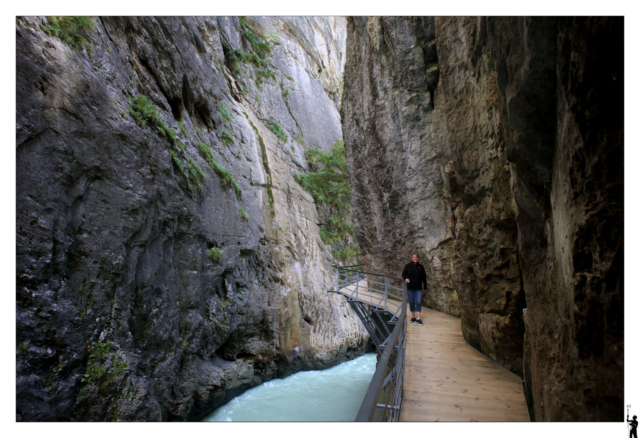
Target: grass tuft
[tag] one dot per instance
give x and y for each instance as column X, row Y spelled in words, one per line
column 244, row 214
column 262, row 74
column 224, row 112
column 215, row 254
column 226, row 137
column 221, row 171
column 182, row 128
column 145, row 113
column 276, row 128
column 190, row 170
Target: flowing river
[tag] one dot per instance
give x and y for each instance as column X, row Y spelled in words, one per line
column 330, row 395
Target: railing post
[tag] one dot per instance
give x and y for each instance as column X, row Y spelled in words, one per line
column 357, row 283
column 385, row 291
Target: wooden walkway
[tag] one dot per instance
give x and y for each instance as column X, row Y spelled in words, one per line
column 447, row 380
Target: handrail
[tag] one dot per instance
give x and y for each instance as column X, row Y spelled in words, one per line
column 393, row 355
column 389, row 375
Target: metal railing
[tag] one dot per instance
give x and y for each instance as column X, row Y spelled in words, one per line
column 379, row 295
column 378, row 287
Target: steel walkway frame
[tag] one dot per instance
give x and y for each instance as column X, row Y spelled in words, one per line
column 384, row 396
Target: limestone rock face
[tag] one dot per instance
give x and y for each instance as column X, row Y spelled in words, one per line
column 121, row 311
column 493, row 148
column 561, row 96
column 476, row 172
column 397, row 189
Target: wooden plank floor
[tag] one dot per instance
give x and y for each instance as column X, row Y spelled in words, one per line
column 447, row 380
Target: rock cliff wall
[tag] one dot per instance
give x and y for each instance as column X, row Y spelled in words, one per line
column 493, row 148
column 166, row 258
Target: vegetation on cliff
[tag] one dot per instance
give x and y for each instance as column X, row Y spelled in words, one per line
column 328, row 183
column 71, row 30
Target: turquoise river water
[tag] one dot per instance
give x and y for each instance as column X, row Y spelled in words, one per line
column 330, row 395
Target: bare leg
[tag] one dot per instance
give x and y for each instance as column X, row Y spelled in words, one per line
column 417, row 313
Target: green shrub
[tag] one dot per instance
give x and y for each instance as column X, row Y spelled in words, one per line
column 328, row 183
column 259, row 46
column 237, row 57
column 221, row 171
column 196, row 175
column 215, row 254
column 205, row 151
column 244, row 214
column 276, row 128
column 245, row 90
column 224, row 112
column 98, row 370
column 71, row 30
column 191, row 171
column 264, row 74
column 261, row 49
column 299, row 139
column 226, row 137
column 289, row 77
column 285, row 93
column 144, row 112
column 347, row 252
column 182, row 128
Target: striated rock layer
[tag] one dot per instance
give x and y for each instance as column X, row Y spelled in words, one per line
column 493, row 148
column 124, row 309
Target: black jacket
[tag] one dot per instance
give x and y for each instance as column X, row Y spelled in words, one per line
column 416, row 274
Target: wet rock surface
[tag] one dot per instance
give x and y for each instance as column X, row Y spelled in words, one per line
column 504, row 171
column 124, row 310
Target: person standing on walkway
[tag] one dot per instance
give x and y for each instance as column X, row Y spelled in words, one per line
column 415, row 276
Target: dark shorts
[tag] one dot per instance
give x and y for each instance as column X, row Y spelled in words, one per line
column 415, row 296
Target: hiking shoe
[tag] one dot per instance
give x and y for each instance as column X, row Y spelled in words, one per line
column 419, row 321
column 412, row 320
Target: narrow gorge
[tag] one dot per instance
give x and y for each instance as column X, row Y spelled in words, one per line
column 493, row 147
column 185, row 186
